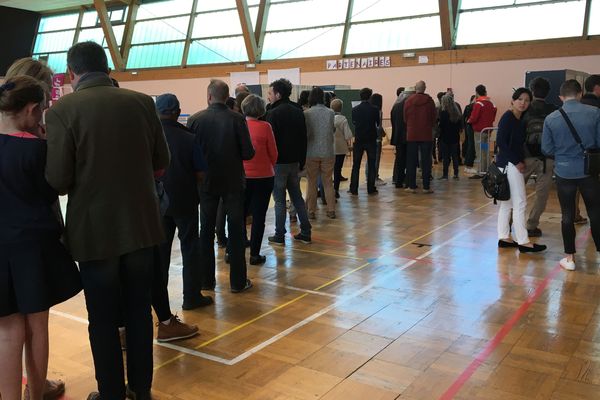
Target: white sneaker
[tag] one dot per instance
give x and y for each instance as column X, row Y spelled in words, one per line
column 470, row 170
column 380, row 182
column 568, row 265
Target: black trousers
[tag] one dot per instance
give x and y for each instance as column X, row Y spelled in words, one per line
column 220, row 228
column 399, row 175
column 233, row 204
column 449, row 153
column 590, row 191
column 469, row 146
column 117, row 287
column 258, row 195
column 412, row 160
column 187, row 231
column 337, row 171
column 357, row 152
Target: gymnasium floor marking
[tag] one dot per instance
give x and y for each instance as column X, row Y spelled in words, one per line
column 246, row 354
column 504, row 330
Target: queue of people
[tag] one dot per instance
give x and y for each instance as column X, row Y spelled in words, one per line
column 137, row 177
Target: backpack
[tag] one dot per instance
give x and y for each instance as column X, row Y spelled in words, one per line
column 533, row 135
column 534, row 127
column 495, row 184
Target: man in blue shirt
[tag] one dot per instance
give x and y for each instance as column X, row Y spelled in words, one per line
column 558, row 141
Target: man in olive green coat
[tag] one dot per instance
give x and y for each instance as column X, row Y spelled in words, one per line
column 104, row 146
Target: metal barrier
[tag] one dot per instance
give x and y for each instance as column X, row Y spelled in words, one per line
column 484, row 149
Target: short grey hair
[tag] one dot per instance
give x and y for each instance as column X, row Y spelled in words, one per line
column 254, row 106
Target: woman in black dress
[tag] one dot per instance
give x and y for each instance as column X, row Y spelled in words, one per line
column 36, row 271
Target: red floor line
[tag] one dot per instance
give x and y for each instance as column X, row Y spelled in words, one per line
column 506, row 328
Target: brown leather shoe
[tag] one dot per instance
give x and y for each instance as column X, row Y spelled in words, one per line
column 52, row 391
column 94, row 396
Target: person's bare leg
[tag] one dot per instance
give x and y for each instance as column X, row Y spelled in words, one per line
column 36, row 353
column 12, row 337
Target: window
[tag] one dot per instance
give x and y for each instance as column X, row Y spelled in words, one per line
column 55, row 36
column 306, row 14
column 519, row 22
column 374, row 37
column 369, row 10
column 221, row 50
column 161, row 9
column 220, row 23
column 415, row 25
column 155, row 55
column 594, row 27
column 160, row 30
column 303, row 43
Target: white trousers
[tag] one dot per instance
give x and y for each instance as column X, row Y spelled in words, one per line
column 518, row 204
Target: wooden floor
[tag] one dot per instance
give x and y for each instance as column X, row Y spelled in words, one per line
column 403, row 296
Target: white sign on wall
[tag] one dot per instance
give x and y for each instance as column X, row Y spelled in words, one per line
column 291, row 74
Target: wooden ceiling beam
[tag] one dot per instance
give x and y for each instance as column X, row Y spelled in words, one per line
column 128, row 31
column 261, row 27
column 349, row 12
column 447, row 22
column 586, row 19
column 109, row 34
column 247, row 30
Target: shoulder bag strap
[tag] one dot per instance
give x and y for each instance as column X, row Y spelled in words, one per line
column 572, row 128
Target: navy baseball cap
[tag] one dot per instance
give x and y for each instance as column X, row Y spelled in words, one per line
column 167, row 104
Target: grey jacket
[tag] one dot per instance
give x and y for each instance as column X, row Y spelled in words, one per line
column 320, row 130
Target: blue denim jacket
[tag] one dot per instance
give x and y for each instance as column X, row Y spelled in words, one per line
column 557, row 140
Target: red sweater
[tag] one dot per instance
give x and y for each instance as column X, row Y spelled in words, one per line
column 483, row 114
column 419, row 115
column 263, row 140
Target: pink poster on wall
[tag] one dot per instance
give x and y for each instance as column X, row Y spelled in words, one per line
column 58, row 80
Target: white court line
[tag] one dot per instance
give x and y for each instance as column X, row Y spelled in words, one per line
column 305, row 321
column 344, row 299
column 315, row 292
column 171, row 346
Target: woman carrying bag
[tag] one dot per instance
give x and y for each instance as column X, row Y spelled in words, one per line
column 510, row 158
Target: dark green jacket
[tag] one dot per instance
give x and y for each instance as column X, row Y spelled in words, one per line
column 104, row 144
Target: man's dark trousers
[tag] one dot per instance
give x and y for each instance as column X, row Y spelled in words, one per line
column 187, row 228
column 115, row 287
column 357, row 153
column 234, row 208
column 414, row 148
column 399, row 174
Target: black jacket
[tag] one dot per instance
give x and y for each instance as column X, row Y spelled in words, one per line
column 398, row 124
column 289, row 127
column 365, row 117
column 223, row 139
column 591, row 100
column 179, row 180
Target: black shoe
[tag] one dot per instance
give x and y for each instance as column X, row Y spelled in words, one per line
column 476, row 176
column 504, row 244
column 537, row 232
column 337, row 195
column 226, row 258
column 94, row 396
column 201, row 301
column 323, row 201
column 258, row 260
column 535, row 249
column 374, row 192
column 343, row 179
column 276, row 240
column 303, row 238
column 246, row 287
column 353, row 193
column 222, row 243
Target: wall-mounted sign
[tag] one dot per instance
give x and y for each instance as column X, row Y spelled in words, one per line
column 359, row 63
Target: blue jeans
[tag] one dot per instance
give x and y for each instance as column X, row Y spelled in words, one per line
column 286, row 177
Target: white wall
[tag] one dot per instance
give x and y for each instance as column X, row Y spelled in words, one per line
column 499, row 77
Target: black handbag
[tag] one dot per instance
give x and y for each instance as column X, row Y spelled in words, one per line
column 591, row 156
column 495, row 184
